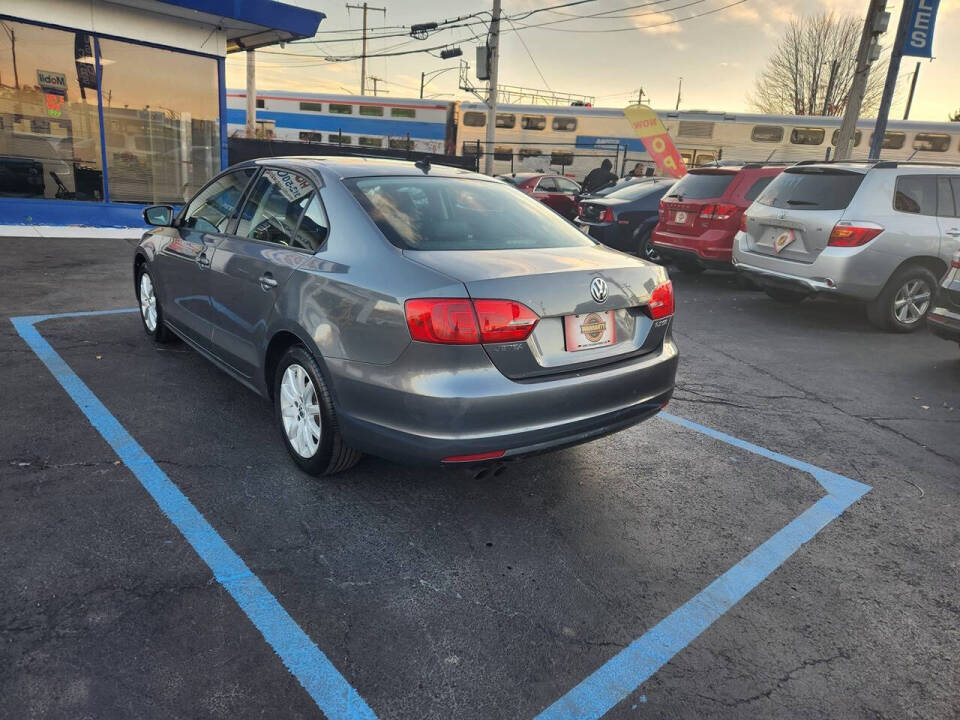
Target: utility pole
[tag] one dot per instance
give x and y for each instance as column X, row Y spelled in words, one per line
column 867, row 52
column 640, row 96
column 913, row 87
column 833, row 77
column 375, row 80
column 679, row 88
column 893, row 69
column 251, row 130
column 493, row 44
column 423, row 75
column 363, row 51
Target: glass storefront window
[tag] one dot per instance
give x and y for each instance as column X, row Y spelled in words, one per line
column 49, row 122
column 162, row 135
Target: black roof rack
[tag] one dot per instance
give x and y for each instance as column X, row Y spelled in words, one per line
column 888, row 164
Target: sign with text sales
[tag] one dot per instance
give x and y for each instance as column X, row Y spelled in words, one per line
column 919, row 39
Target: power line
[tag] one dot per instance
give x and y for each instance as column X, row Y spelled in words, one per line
column 529, row 54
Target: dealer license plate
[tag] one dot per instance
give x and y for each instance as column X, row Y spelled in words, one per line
column 596, row 329
column 783, row 239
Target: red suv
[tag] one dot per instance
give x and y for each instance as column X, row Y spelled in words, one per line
column 701, row 214
column 554, row 191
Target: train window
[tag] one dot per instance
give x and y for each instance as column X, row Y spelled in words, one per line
column 341, row 139
column 370, row 141
column 502, row 152
column 533, row 122
column 260, row 104
column 506, row 120
column 472, row 118
column 807, row 136
column 695, row 128
column 341, row 109
column 313, row 107
column 403, row 112
column 529, row 152
column 401, row 144
column 892, row 140
column 767, row 133
column 564, row 124
column 931, row 142
column 373, row 110
column 471, row 148
column 857, row 137
column 561, row 158
column 308, row 136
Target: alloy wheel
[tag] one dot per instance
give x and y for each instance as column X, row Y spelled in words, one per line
column 300, row 411
column 148, row 302
column 912, row 301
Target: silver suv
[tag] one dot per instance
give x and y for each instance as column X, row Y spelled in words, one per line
column 882, row 232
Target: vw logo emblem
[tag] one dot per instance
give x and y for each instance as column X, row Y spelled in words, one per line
column 598, row 289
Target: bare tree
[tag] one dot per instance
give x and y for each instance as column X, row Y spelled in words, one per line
column 797, row 77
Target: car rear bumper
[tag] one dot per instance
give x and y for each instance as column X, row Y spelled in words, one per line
column 850, row 272
column 713, row 248
column 409, row 412
column 944, row 323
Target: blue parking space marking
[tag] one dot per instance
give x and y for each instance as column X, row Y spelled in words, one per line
column 592, row 698
column 635, row 664
column 328, row 688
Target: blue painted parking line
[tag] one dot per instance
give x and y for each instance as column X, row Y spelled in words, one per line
column 591, row 698
column 635, row 664
column 328, row 688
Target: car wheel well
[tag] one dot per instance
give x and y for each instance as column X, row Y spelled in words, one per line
column 934, row 264
column 279, row 344
column 139, row 260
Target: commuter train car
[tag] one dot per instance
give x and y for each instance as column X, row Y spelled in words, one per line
column 573, row 140
column 401, row 123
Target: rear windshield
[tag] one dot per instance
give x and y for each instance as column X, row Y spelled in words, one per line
column 635, row 191
column 697, row 186
column 813, row 189
column 439, row 213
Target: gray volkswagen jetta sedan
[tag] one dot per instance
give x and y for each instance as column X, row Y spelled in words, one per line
column 415, row 312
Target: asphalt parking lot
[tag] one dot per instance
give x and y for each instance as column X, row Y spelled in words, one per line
column 435, row 595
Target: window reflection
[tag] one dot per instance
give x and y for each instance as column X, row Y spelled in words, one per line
column 162, row 136
column 49, row 124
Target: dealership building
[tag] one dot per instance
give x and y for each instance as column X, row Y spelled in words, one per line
column 110, row 105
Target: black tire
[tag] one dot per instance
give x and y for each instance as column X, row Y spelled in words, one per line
column 160, row 333
column 689, row 266
column 331, row 455
column 786, row 296
column 884, row 311
column 646, row 250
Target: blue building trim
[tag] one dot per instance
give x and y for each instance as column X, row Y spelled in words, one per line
column 297, row 21
column 350, row 125
column 37, row 211
column 222, row 75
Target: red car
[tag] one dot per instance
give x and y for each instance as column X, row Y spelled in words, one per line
column 701, row 214
column 554, row 191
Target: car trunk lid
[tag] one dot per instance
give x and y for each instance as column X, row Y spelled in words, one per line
column 556, row 284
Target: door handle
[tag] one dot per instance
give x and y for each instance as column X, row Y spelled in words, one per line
column 202, row 260
column 953, row 232
column 267, row 282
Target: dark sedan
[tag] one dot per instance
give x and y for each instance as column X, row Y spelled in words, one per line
column 416, row 312
column 944, row 319
column 625, row 218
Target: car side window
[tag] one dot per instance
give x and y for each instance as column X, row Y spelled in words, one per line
column 547, row 184
column 567, row 186
column 274, row 207
column 212, row 208
column 916, row 194
column 314, row 226
column 946, row 205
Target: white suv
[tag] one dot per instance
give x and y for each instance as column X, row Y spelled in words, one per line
column 882, row 232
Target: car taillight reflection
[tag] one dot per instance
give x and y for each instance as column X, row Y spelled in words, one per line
column 455, row 321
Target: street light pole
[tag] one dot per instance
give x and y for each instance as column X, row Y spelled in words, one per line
column 893, row 69
column 913, row 87
column 494, row 49
column 251, row 130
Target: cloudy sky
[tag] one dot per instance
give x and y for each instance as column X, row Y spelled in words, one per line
column 716, row 47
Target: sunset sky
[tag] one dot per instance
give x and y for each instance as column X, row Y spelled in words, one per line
column 718, row 55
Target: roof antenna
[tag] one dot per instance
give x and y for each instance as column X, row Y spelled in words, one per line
column 423, row 164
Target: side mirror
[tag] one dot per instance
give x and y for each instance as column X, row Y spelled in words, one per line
column 159, row 215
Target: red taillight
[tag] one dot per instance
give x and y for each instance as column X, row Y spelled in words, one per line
column 504, row 320
column 955, row 263
column 719, row 211
column 607, row 215
column 579, row 210
column 476, row 457
column 850, row 235
column 743, row 223
column 661, row 301
column 453, row 321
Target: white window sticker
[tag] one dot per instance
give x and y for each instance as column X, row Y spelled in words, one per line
column 292, row 186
